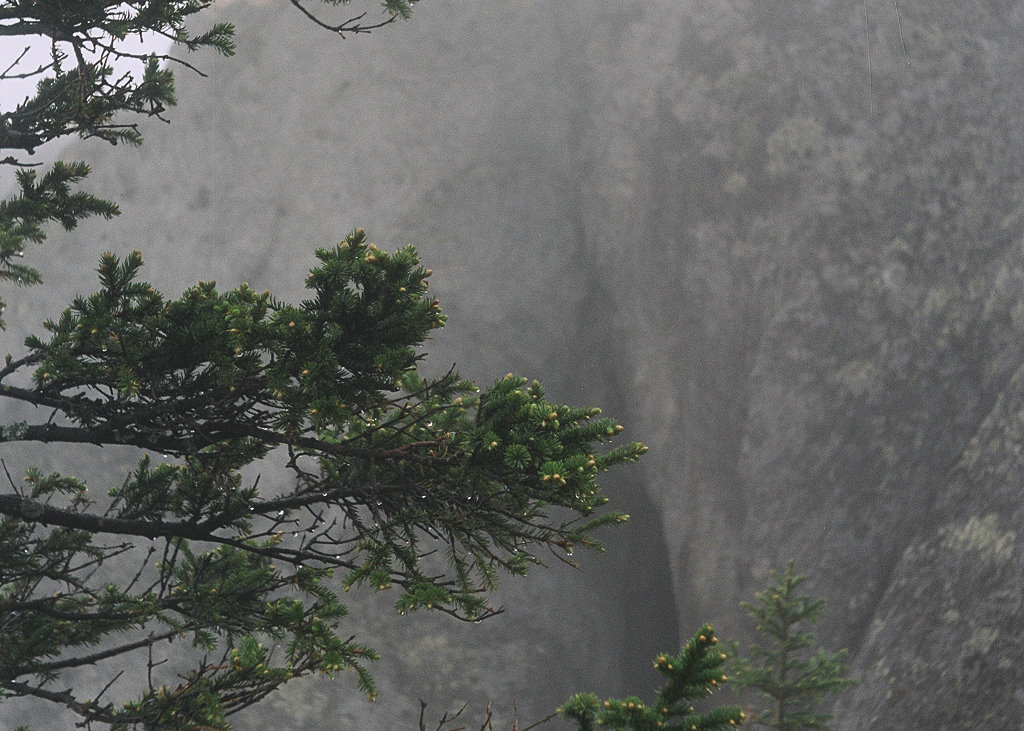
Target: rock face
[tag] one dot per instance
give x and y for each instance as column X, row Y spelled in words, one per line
column 797, row 275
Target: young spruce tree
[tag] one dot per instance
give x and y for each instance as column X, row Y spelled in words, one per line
column 789, row 676
column 430, row 486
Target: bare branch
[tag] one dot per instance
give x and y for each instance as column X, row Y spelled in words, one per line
column 64, row 698
column 352, row 25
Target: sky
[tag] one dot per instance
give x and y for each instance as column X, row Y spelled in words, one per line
column 13, row 91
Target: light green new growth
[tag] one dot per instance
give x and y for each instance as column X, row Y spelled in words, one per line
column 692, row 675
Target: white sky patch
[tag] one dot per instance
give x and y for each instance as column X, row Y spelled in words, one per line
column 35, row 51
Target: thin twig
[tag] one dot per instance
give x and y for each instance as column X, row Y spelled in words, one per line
column 867, row 40
column 899, row 24
column 349, row 26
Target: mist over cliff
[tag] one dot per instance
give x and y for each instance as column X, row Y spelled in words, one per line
column 789, row 262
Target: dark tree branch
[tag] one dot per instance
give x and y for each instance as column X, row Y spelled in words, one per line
column 352, row 25
column 131, row 429
column 95, row 657
column 34, row 511
column 64, row 698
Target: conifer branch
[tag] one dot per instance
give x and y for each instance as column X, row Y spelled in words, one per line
column 429, row 485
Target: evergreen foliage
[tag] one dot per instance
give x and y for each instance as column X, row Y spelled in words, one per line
column 785, row 672
column 41, row 200
column 692, row 675
column 395, row 480
column 423, row 484
column 80, row 93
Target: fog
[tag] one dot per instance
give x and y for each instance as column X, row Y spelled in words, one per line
column 782, row 256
